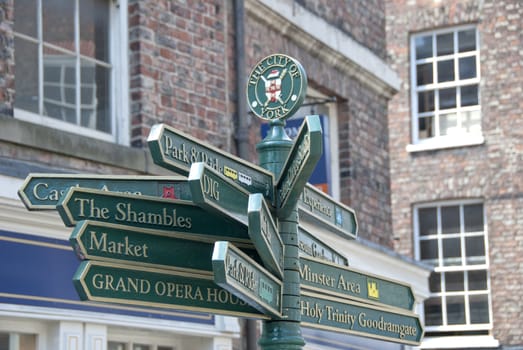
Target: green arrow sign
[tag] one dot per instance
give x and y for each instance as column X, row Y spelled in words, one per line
column 345, row 282
column 332, row 314
column 148, row 287
column 300, row 163
column 243, row 277
column 145, row 247
column 264, row 234
column 328, row 212
column 43, row 191
column 213, row 191
column 148, row 212
column 176, row 151
column 312, row 246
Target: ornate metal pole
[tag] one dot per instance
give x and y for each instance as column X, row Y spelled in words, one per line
column 275, row 90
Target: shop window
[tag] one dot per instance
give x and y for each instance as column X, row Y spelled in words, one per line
column 17, row 341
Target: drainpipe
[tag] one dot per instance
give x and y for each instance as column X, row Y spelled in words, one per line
column 242, row 129
column 249, row 327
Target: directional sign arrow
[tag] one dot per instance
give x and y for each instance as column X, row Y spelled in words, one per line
column 213, row 191
column 300, row 163
column 43, row 191
column 243, row 277
column 312, row 246
column 264, row 234
column 148, row 212
column 344, row 316
column 103, row 241
column 176, row 151
column 148, row 287
column 345, row 282
column 317, row 207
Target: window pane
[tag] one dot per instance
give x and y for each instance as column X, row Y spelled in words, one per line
column 455, row 310
column 429, row 251
column 469, row 95
column 25, row 17
column 473, row 217
column 26, row 82
column 59, row 85
column 425, row 101
column 445, row 44
column 477, row 280
column 471, row 121
column 450, row 219
column 447, row 98
column 475, row 249
column 467, row 67
column 428, row 221
column 451, row 251
column 433, row 315
column 448, row 124
column 141, row 347
column 95, row 91
column 435, row 282
column 467, row 40
column 423, row 46
column 4, row 340
column 445, row 70
column 479, row 310
column 27, row 341
column 116, row 346
column 454, row 281
column 94, row 29
column 58, row 23
column 424, row 73
column 426, row 127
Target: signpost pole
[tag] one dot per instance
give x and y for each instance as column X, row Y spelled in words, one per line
column 284, row 334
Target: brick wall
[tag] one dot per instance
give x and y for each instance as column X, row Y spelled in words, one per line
column 491, row 171
column 362, row 20
column 6, row 58
column 178, row 68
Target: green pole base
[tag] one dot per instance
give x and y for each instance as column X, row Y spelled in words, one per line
column 281, row 335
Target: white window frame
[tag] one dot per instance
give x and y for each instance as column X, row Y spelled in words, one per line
column 119, row 81
column 463, row 267
column 446, row 141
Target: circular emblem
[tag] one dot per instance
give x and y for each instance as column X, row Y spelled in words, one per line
column 276, row 87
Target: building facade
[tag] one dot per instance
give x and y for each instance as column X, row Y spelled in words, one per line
column 455, row 136
column 81, row 84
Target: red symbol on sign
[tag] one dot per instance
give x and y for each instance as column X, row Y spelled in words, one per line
column 168, row 192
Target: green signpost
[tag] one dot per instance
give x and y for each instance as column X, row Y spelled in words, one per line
column 264, row 234
column 125, row 244
column 176, row 151
column 229, row 239
column 148, row 212
column 345, row 282
column 310, row 245
column 43, row 191
column 345, row 316
column 214, row 192
column 300, row 163
column 149, row 287
column 243, row 277
column 325, row 211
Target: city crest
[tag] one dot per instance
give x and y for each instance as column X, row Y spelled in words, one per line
column 276, row 87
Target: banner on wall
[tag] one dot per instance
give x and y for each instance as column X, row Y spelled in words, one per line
column 321, row 177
